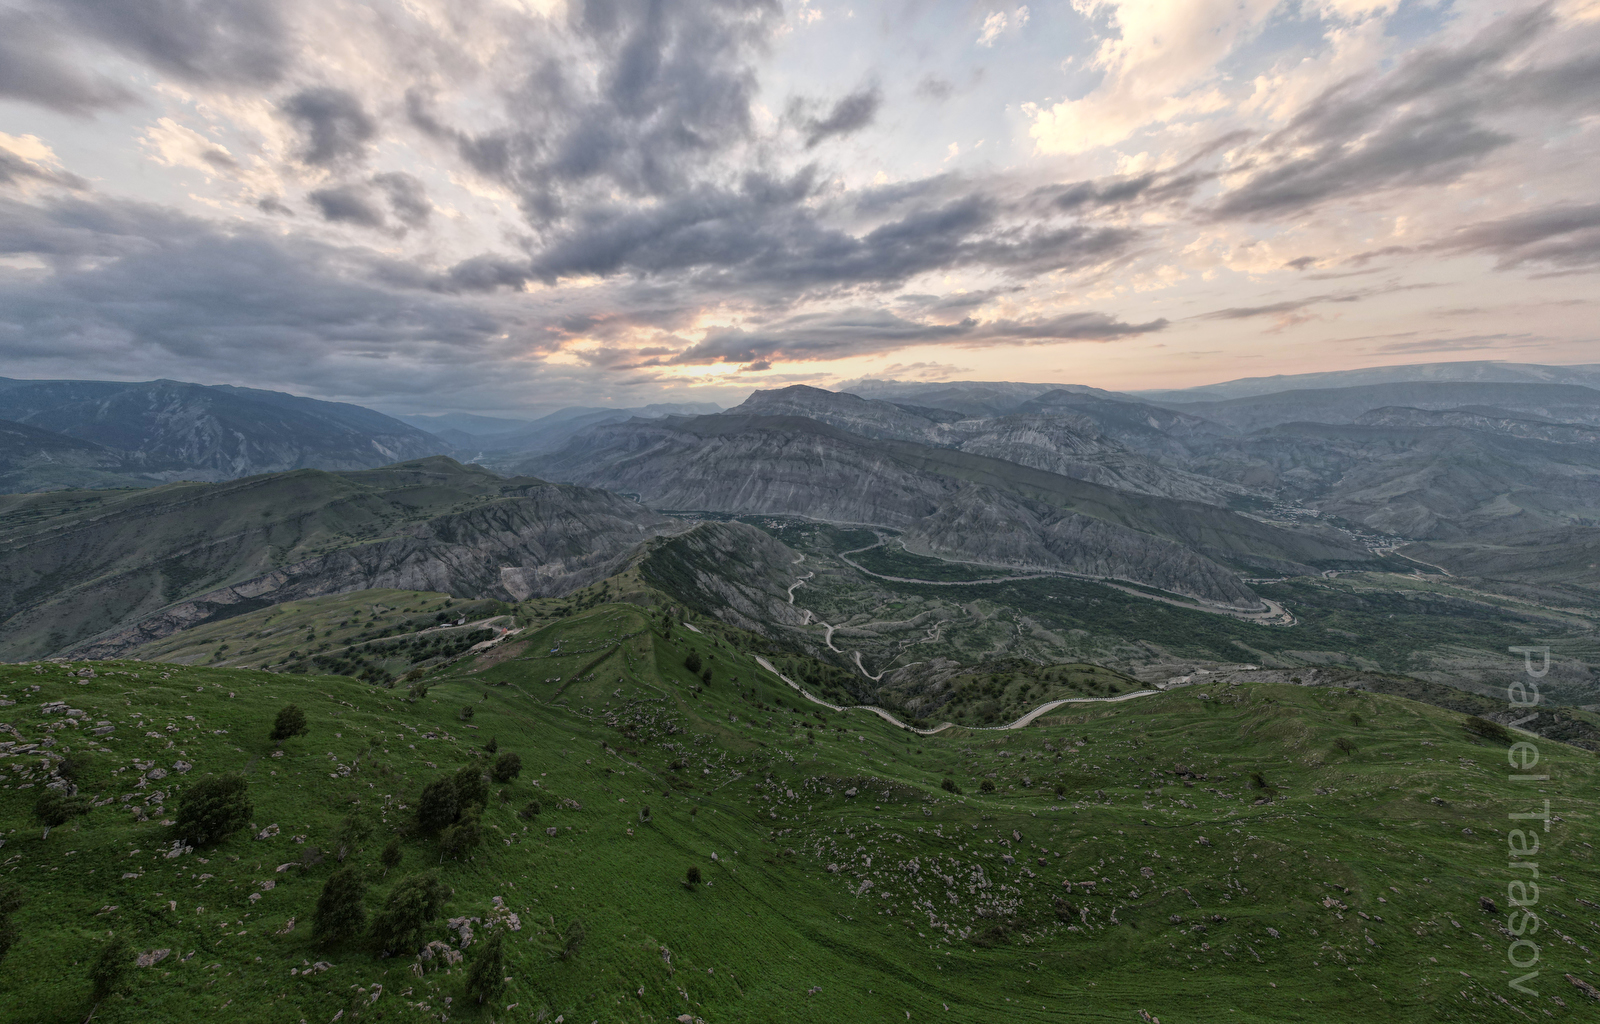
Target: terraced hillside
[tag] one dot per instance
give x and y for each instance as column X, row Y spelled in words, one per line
column 1233, row 852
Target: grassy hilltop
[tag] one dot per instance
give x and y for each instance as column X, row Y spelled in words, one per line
column 1238, row 852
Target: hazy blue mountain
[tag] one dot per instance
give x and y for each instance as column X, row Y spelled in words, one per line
column 1480, row 371
column 1562, row 403
column 462, row 423
column 170, row 430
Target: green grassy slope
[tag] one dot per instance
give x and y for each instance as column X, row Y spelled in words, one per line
column 1244, row 867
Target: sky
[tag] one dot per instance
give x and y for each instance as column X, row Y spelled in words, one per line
column 509, row 206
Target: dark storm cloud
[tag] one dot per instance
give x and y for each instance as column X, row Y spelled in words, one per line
column 408, row 199
column 672, row 89
column 1422, row 123
column 763, row 237
column 849, row 114
column 1566, row 235
column 334, row 127
column 36, row 66
column 14, row 170
column 239, row 42
column 244, row 303
column 348, row 204
column 857, row 332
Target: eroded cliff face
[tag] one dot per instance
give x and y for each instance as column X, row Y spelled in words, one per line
column 131, row 568
column 739, row 571
column 982, row 525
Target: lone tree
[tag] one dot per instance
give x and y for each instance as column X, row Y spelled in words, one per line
column 341, row 909
column 109, row 972
column 471, row 788
column 413, row 903
column 438, row 806
column 291, row 722
column 986, row 786
column 463, row 837
column 391, row 856
column 487, row 975
column 692, row 662
column 10, row 901
column 692, row 876
column 506, row 767
column 213, row 809
column 54, row 808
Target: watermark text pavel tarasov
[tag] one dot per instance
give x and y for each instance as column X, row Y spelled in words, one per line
column 1524, row 839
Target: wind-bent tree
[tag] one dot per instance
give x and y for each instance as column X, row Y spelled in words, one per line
column 341, row 909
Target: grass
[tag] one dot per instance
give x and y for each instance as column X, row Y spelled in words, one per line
column 803, row 808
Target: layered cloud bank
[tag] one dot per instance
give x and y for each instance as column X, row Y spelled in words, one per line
column 504, row 204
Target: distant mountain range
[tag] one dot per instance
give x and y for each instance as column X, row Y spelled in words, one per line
column 107, row 433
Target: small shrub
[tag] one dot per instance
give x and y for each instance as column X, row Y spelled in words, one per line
column 692, row 662
column 55, row 808
column 291, row 722
column 531, row 809
column 987, row 785
column 353, row 830
column 413, row 903
column 438, row 806
column 109, row 972
column 949, row 786
column 487, row 975
column 213, row 809
column 391, row 856
column 506, row 767
column 493, row 744
column 1344, row 744
column 462, row 838
column 417, row 692
column 1487, row 729
column 574, row 940
column 466, row 712
column 341, row 909
column 692, row 876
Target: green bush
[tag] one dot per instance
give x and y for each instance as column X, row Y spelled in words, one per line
column 470, row 787
column 506, row 767
column 291, row 722
column 213, row 809
column 341, row 909
column 413, row 903
column 1487, row 729
column 487, row 975
column 54, row 808
column 461, row 838
column 692, row 662
column 109, row 973
column 438, row 807
column 391, row 856
column 986, row 786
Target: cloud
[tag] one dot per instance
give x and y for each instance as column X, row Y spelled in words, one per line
column 334, row 127
column 1275, row 308
column 1157, row 69
column 1423, row 123
column 36, row 66
column 1464, row 343
column 998, row 22
column 407, row 197
column 856, row 332
column 1564, row 234
column 26, row 160
column 226, row 42
column 933, row 87
column 348, row 204
column 849, row 114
